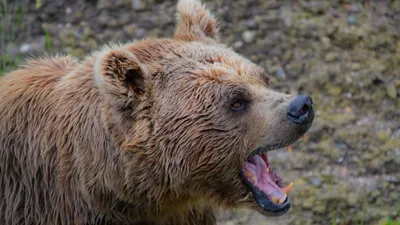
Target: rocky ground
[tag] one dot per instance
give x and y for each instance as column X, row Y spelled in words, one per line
column 345, row 53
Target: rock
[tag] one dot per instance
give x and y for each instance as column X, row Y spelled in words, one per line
column 316, row 181
column 315, row 7
column 138, row 5
column 25, row 48
column 129, row 29
column 248, row 36
column 103, row 4
column 230, row 223
column 348, row 36
column 294, row 69
column 140, row 32
column 334, row 90
column 68, row 10
column 32, row 48
column 326, row 42
column 272, row 16
column 356, row 66
column 252, row 24
column 353, row 8
column 114, row 23
column 78, row 53
column 352, row 20
column 67, row 36
column 286, row 14
column 271, row 4
column 352, row 199
column 87, row 33
column 391, row 91
column 287, row 56
column 280, row 73
column 104, row 17
column 90, row 43
column 321, row 208
column 307, row 204
column 237, row 44
column 330, row 56
column 382, row 135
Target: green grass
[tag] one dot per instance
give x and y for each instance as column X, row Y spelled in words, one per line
column 11, row 22
column 11, row 25
column 387, row 221
column 390, row 222
column 47, row 39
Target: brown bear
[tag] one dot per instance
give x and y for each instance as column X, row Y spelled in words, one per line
column 159, row 131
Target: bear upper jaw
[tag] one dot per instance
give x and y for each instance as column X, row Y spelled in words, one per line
column 270, row 147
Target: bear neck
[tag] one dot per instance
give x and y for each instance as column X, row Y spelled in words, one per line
column 128, row 166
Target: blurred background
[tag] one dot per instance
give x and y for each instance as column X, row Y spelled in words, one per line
column 346, row 54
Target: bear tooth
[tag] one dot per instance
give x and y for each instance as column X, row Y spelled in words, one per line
column 287, row 189
column 250, row 176
column 282, row 200
column 275, row 200
column 278, row 201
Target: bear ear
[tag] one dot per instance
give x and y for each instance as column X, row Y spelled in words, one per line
column 120, row 76
column 195, row 22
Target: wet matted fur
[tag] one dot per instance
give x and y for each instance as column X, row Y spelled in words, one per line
column 141, row 133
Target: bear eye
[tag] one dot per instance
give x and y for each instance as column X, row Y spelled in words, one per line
column 238, row 105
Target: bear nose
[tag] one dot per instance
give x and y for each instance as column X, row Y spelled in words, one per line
column 300, row 110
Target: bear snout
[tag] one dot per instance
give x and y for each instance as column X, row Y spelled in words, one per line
column 300, row 110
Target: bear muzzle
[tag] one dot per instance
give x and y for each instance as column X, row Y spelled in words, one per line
column 300, row 111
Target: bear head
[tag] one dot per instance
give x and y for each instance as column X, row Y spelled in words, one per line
column 195, row 120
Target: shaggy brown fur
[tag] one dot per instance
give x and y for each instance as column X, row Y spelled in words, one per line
column 136, row 134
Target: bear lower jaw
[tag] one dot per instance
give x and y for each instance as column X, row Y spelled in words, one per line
column 265, row 186
column 266, row 207
column 269, row 204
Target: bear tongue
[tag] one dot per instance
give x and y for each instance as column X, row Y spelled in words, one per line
column 257, row 170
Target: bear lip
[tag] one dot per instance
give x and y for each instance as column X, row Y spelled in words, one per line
column 268, row 148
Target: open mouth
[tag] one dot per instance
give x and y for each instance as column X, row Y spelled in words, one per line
column 265, row 184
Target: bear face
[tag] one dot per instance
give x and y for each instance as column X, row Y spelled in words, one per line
column 198, row 118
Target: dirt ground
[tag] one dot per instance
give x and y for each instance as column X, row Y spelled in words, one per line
column 346, row 54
